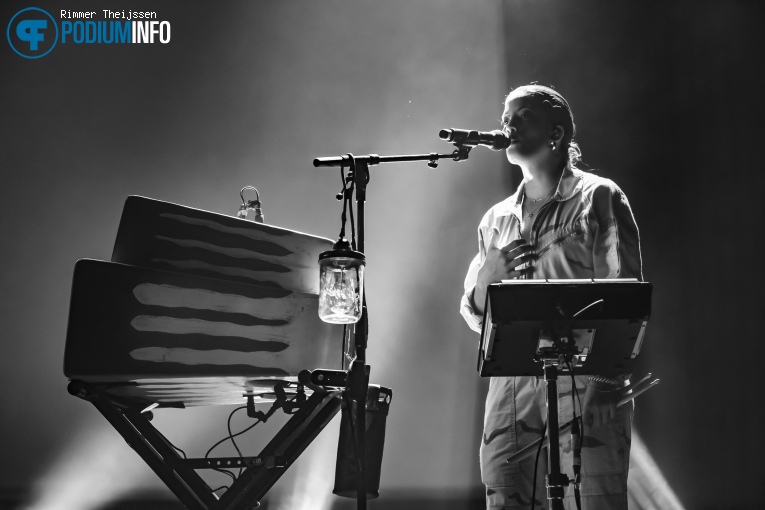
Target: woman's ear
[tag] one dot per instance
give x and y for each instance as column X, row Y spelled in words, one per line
column 557, row 133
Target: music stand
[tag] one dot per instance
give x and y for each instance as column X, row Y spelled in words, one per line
column 593, row 326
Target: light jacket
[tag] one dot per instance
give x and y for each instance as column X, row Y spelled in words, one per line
column 586, row 230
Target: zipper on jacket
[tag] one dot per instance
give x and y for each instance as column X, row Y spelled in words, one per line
column 560, row 240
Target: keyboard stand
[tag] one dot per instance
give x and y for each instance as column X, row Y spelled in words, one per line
column 260, row 473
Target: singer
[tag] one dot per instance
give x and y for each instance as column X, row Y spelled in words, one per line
column 561, row 222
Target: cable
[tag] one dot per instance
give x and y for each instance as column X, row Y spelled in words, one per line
column 536, row 465
column 171, row 444
column 225, row 438
column 577, row 434
column 225, row 472
column 344, row 196
column 353, row 228
column 350, row 208
column 231, row 436
column 345, row 358
column 228, row 427
column 574, row 391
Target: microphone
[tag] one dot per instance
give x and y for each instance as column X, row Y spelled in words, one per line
column 250, row 205
column 495, row 140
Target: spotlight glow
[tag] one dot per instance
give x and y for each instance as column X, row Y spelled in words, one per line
column 309, row 486
column 96, row 468
column 648, row 489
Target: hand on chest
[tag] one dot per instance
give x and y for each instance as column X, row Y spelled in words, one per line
column 561, row 240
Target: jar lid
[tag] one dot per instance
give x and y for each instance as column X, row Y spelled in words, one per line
column 342, row 249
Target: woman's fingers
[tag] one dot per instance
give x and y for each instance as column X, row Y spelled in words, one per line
column 517, row 253
column 521, row 244
column 526, row 270
column 513, row 262
column 515, row 273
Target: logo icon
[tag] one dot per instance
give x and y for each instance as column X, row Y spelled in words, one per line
column 32, row 32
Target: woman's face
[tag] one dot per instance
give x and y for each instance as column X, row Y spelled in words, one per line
column 526, row 122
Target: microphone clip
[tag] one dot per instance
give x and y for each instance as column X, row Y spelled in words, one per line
column 461, row 154
column 462, row 139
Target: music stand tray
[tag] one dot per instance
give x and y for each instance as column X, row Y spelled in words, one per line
column 522, row 317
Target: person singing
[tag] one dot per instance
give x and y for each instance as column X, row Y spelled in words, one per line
column 561, row 222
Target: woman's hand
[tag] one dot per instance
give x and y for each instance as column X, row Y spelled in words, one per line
column 599, row 406
column 500, row 264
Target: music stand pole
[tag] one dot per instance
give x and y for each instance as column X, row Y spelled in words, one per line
column 556, row 481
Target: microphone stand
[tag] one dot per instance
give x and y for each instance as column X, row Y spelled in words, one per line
column 358, row 377
column 459, row 154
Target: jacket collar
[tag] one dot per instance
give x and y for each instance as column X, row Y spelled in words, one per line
column 570, row 183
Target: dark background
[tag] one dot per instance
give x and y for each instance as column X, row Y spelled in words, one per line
column 666, row 97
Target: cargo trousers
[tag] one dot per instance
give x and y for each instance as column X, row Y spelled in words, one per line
column 605, row 449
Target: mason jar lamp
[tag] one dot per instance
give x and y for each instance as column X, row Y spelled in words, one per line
column 341, row 284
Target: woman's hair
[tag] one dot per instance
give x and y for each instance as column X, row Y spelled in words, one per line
column 560, row 113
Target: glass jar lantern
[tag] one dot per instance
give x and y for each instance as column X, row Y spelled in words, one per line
column 341, row 284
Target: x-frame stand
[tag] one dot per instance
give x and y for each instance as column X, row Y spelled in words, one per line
column 179, row 474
